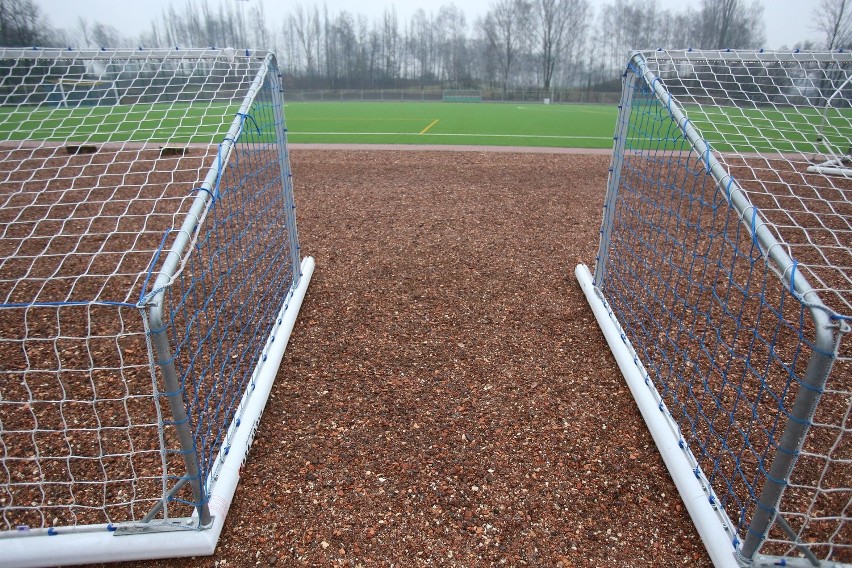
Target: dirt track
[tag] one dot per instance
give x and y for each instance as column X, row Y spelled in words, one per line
column 446, row 398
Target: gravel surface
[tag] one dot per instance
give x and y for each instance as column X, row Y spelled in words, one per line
column 447, row 398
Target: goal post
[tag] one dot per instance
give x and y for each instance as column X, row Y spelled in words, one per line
column 150, row 278
column 722, row 285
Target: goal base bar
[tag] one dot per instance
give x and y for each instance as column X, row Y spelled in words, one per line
column 101, row 544
column 707, row 519
column 830, row 170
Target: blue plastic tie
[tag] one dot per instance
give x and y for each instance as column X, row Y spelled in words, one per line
column 205, row 190
column 216, row 193
column 245, row 117
column 793, row 276
column 754, row 226
column 153, row 264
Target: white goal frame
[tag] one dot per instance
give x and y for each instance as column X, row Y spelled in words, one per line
column 65, row 94
column 136, row 382
column 722, row 287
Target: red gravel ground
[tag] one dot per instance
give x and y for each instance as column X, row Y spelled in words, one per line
column 447, row 398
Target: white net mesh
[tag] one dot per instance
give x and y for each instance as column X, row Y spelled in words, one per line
column 731, row 187
column 782, row 125
column 101, row 155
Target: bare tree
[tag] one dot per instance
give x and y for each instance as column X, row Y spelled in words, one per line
column 561, row 27
column 610, row 43
column 504, row 29
column 516, row 43
column 83, row 27
column 834, row 21
column 105, row 35
column 730, row 24
column 453, row 46
column 262, row 38
column 678, row 32
column 421, row 45
column 202, row 24
column 22, row 24
column 305, row 24
column 391, row 44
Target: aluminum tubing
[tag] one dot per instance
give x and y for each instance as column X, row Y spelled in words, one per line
column 717, row 540
column 229, row 475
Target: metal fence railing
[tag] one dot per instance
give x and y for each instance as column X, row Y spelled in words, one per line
column 436, row 95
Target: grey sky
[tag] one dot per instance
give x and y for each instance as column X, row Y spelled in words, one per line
column 787, row 21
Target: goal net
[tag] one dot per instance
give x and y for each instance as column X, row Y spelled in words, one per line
column 462, row 96
column 723, row 284
column 150, row 276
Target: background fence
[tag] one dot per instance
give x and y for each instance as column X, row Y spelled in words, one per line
column 435, row 95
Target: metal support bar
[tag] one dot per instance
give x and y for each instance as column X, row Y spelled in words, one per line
column 155, row 510
column 628, row 88
column 793, row 438
column 803, row 548
column 174, row 396
column 277, row 88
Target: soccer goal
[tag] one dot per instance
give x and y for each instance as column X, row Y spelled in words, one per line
column 462, row 96
column 70, row 92
column 835, row 147
column 723, row 285
column 150, row 277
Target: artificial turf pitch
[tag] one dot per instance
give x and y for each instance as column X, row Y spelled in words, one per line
column 495, row 124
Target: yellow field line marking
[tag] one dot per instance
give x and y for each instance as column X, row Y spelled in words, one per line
column 434, row 122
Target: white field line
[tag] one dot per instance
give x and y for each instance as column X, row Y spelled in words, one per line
column 557, row 109
column 548, row 136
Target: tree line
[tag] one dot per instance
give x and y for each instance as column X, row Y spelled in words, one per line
column 540, row 44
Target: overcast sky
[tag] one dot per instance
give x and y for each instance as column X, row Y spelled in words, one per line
column 787, row 21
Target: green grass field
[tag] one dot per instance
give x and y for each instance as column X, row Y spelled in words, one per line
column 582, row 126
column 576, row 126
